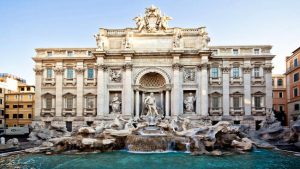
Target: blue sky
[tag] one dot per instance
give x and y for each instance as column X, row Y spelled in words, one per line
column 29, row 24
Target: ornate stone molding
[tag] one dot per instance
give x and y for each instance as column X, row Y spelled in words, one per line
column 38, row 71
column 58, row 70
column 225, row 69
column 247, row 69
column 127, row 66
column 177, row 66
column 268, row 69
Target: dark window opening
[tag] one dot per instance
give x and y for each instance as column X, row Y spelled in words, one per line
column 257, row 124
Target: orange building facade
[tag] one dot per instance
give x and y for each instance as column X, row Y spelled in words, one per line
column 280, row 98
column 293, row 85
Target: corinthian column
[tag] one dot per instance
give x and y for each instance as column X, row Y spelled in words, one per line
column 137, row 103
column 268, row 80
column 79, row 91
column 127, row 89
column 59, row 71
column 38, row 87
column 100, row 89
column 247, row 90
column 176, row 102
column 204, row 90
column 226, row 104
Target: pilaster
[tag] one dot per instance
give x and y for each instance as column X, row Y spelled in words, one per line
column 247, row 89
column 79, row 92
column 59, row 72
column 268, row 82
column 38, row 87
column 225, row 82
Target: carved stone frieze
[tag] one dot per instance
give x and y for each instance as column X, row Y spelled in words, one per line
column 177, row 66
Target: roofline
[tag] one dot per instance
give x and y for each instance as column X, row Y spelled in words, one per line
column 239, row 46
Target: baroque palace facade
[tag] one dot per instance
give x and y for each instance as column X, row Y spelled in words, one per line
column 76, row 86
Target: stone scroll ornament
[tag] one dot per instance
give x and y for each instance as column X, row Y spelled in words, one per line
column 152, row 21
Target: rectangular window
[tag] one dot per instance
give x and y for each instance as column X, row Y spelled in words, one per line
column 70, row 53
column 235, row 72
column 29, row 106
column 296, row 62
column 15, row 106
column 15, row 116
column 90, row 73
column 28, row 89
column 236, row 103
column 21, row 116
column 49, row 54
column 214, row 72
column 295, row 92
column 296, row 107
column 0, row 90
column 296, row 77
column 235, row 51
column 7, row 106
column 6, row 116
column 29, row 116
column 22, row 89
column 21, row 106
column 256, row 72
column 256, row 51
column 30, row 97
column 69, row 103
column 1, row 102
column 16, row 97
column 280, row 95
column 48, row 103
column 215, row 102
column 69, row 73
column 49, row 73
column 257, row 102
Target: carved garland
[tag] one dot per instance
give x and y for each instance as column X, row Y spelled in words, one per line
column 247, row 69
column 225, row 69
column 268, row 69
column 58, row 70
column 177, row 66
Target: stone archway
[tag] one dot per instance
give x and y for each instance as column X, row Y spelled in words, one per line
column 154, row 80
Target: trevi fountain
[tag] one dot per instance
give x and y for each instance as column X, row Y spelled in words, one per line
column 160, row 125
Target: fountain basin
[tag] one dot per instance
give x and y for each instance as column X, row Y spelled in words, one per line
column 147, row 143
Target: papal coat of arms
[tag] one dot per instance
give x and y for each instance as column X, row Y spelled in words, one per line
column 152, row 21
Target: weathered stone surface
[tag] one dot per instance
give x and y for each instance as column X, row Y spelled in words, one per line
column 13, row 141
column 245, row 144
column 86, row 130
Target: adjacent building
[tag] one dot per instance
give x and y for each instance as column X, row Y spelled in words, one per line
column 77, row 86
column 280, row 98
column 8, row 82
column 293, row 85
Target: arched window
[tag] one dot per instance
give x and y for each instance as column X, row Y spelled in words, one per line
column 279, row 82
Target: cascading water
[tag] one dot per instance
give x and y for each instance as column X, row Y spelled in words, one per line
column 188, row 147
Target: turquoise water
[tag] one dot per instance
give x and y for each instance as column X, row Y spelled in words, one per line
column 262, row 159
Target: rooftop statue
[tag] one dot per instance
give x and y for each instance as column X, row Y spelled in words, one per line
column 152, row 21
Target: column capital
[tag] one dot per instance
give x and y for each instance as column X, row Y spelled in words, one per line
column 225, row 69
column 202, row 66
column 38, row 71
column 102, row 66
column 177, row 66
column 247, row 69
column 127, row 66
column 79, row 70
column 268, row 69
column 59, row 70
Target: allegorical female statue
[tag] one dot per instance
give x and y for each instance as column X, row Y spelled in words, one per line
column 115, row 104
column 189, row 102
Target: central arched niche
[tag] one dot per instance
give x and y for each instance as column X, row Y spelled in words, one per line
column 152, row 80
